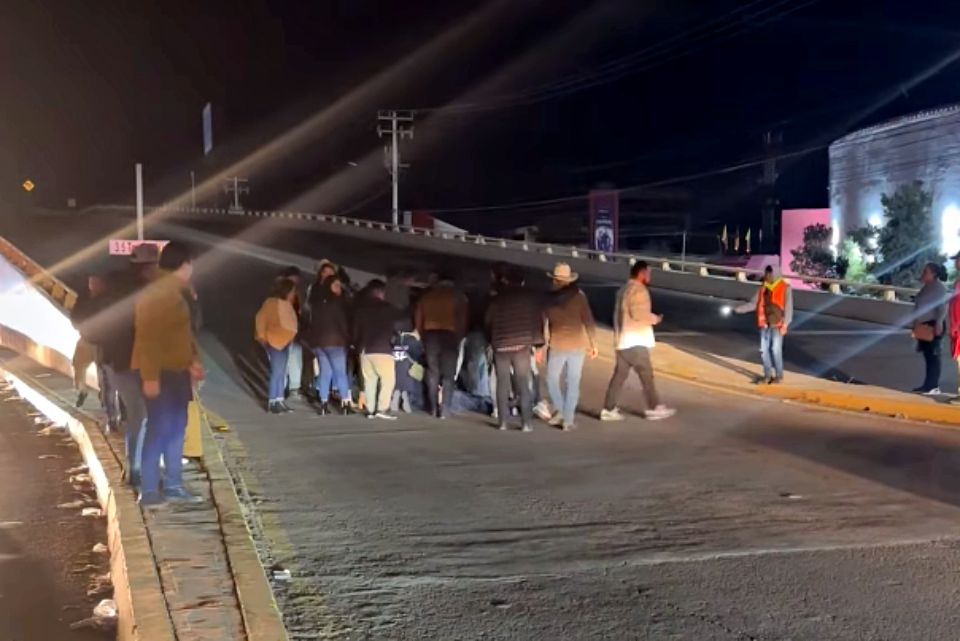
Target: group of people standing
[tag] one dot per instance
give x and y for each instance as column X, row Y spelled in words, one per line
column 140, row 324
column 376, row 336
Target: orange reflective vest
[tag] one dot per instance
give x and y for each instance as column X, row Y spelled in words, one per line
column 777, row 297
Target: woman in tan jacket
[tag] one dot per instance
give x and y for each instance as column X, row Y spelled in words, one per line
column 276, row 327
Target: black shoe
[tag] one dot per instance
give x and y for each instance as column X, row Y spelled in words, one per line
column 324, row 409
column 346, row 408
column 81, row 398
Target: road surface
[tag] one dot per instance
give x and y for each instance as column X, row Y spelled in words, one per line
column 739, row 519
column 46, row 553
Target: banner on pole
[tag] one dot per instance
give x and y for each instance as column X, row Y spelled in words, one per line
column 604, row 219
column 124, row 247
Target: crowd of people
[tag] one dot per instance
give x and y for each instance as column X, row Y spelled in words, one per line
column 138, row 326
column 392, row 346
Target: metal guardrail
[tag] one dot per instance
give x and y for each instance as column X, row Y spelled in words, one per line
column 671, row 264
column 52, row 286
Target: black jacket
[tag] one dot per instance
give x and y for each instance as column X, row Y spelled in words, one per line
column 112, row 326
column 374, row 325
column 329, row 320
column 515, row 318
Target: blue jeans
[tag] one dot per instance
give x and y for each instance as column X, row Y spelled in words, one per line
column 333, row 367
column 573, row 360
column 771, row 351
column 277, row 381
column 166, row 426
column 295, row 367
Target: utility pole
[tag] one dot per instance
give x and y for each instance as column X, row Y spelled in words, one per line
column 398, row 125
column 193, row 190
column 772, row 141
column 139, row 174
column 236, row 186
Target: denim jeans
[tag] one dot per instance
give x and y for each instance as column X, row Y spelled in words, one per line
column 771, row 352
column 932, row 365
column 573, row 361
column 295, row 367
column 333, row 367
column 131, row 395
column 278, row 372
column 166, row 426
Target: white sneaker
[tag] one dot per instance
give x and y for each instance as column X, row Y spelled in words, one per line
column 526, row 428
column 659, row 413
column 387, row 416
column 934, row 392
column 556, row 420
column 542, row 409
column 612, row 415
column 569, row 427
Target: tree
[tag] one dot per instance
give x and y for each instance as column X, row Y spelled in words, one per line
column 909, row 239
column 815, row 257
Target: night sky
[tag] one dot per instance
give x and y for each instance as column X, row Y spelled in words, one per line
column 538, row 99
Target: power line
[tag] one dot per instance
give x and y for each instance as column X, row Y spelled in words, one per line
column 645, row 59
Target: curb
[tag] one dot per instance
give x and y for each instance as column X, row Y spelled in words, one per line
column 142, row 608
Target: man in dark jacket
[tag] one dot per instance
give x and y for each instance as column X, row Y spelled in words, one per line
column 515, row 323
column 374, row 326
column 114, row 325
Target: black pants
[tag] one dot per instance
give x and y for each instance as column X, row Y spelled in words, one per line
column 637, row 359
column 442, row 349
column 931, row 358
column 519, row 361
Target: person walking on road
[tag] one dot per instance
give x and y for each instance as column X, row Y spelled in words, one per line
column 633, row 324
column 86, row 352
column 115, row 323
column 166, row 356
column 929, row 324
column 441, row 320
column 773, row 305
column 374, row 326
column 571, row 336
column 276, row 329
column 329, row 337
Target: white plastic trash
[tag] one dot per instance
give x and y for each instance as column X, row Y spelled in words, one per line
column 91, row 511
column 106, row 609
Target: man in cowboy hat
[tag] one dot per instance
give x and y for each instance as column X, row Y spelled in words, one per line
column 571, row 336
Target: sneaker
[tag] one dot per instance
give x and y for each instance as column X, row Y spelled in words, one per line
column 763, row 380
column 152, row 500
column 502, row 427
column 659, row 413
column 275, row 408
column 542, row 409
column 405, row 403
column 934, row 392
column 526, row 428
column 81, row 398
column 181, row 495
column 387, row 416
column 612, row 415
column 371, row 415
column 556, row 420
column 776, row 380
column 286, row 409
column 569, row 427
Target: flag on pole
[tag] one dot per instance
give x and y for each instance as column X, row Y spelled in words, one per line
column 736, row 242
column 747, row 239
column 723, row 238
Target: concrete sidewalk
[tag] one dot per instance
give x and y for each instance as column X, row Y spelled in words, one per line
column 738, row 376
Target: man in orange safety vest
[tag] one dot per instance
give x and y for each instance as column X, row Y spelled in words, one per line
column 773, row 304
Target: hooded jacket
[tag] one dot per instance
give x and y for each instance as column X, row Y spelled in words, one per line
column 329, row 319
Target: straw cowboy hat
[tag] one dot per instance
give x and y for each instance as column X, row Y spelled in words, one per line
column 563, row 273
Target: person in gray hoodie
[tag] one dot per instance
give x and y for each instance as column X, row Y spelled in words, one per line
column 929, row 324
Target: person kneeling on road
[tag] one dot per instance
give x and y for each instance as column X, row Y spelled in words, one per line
column 773, row 304
column 633, row 332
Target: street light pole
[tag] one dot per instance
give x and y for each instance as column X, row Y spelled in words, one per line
column 139, row 173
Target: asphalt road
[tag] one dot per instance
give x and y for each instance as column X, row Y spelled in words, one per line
column 46, row 553
column 739, row 519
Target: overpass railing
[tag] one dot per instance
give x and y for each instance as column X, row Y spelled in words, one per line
column 669, row 264
column 52, row 286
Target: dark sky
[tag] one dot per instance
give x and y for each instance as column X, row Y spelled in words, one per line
column 549, row 98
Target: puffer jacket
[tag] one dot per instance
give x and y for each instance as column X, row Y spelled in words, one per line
column 515, row 319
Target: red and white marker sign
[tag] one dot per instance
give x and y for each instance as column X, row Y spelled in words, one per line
column 123, row 247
